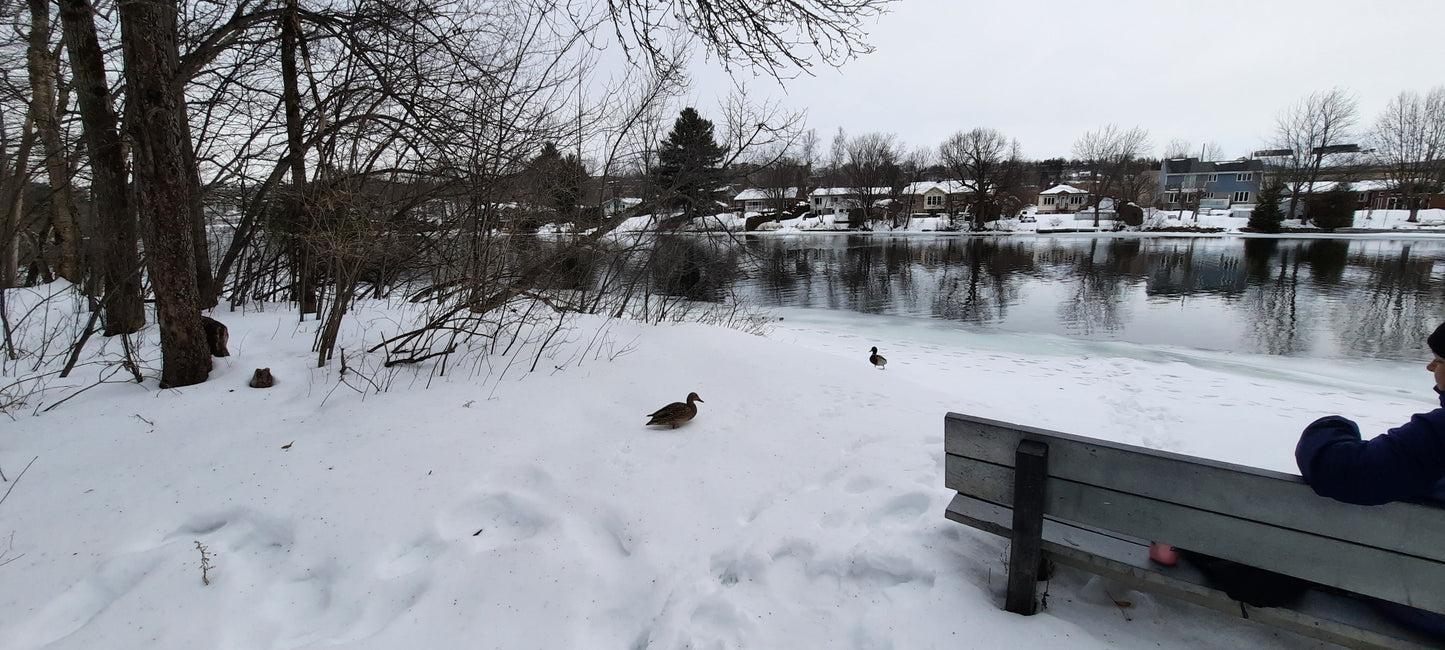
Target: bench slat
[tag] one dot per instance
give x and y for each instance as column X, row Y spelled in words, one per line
column 1317, row 558
column 1323, row 616
column 1415, row 529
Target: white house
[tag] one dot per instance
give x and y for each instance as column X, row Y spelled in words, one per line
column 935, row 197
column 1062, row 198
column 760, row 200
column 840, row 201
column 615, row 206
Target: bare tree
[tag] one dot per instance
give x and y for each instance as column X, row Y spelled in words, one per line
column 775, row 36
column 43, row 65
column 1179, row 148
column 872, row 171
column 163, row 187
column 1318, row 127
column 987, row 162
column 115, row 223
column 360, row 114
column 1111, row 157
column 1409, row 144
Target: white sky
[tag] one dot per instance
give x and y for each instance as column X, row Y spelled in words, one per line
column 1047, row 71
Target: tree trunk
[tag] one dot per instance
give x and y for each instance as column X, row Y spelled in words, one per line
column 207, row 292
column 115, row 224
column 162, row 192
column 43, row 66
column 14, row 175
column 302, row 248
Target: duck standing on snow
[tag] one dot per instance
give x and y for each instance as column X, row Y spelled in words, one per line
column 676, row 413
column 877, row 359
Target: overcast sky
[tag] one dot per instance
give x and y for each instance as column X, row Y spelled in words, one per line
column 1047, row 71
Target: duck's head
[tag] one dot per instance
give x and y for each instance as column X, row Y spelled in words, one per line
column 692, row 397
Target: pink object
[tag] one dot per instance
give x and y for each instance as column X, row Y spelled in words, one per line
column 1163, row 554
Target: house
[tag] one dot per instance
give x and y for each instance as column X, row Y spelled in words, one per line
column 772, row 199
column 1062, row 198
column 1385, row 195
column 948, row 197
column 840, row 202
column 1187, row 183
column 620, row 205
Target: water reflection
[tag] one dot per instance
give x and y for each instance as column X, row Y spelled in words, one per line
column 1305, row 297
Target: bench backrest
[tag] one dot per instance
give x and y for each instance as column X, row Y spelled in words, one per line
column 1253, row 516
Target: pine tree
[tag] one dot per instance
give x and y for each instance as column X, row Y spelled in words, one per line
column 559, row 180
column 687, row 164
column 1267, row 215
column 1336, row 209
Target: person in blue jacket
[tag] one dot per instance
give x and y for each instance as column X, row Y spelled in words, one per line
column 1406, row 462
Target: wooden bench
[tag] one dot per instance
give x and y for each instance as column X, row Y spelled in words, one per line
column 1096, row 505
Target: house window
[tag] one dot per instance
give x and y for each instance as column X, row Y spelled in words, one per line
column 1076, row 199
column 1048, row 200
column 1171, row 198
column 1244, row 177
column 1214, row 178
column 1241, row 197
column 933, row 201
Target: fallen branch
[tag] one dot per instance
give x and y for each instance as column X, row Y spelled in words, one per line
column 17, row 478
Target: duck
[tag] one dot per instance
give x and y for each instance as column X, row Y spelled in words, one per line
column 877, row 359
column 676, row 413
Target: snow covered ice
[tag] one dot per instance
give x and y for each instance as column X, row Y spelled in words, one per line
column 494, row 508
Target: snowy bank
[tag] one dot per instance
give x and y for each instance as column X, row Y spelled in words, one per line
column 491, row 507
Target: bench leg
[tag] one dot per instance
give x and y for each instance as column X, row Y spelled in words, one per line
column 1031, row 463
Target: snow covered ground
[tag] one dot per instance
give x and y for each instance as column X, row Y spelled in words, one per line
column 496, row 508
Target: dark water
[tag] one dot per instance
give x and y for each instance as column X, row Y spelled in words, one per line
column 1319, row 298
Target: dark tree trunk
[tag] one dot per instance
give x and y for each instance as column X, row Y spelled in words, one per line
column 115, row 228
column 163, row 187
column 302, row 250
column 206, row 290
column 13, row 174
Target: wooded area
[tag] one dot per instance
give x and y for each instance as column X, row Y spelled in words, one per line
column 195, row 153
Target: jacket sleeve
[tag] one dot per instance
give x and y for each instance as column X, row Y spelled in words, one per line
column 1403, row 463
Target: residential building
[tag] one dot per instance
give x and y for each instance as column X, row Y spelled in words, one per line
column 1381, row 195
column 931, row 197
column 1188, row 183
column 1062, row 198
column 765, row 200
column 840, row 202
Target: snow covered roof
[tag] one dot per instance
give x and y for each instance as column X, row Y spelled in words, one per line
column 755, row 194
column 1320, row 187
column 948, row 187
column 845, row 191
column 1196, row 166
column 1064, row 189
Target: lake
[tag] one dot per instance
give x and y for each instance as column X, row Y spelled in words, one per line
column 1363, row 298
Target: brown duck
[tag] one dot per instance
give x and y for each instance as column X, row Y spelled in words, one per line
column 877, row 359
column 676, row 413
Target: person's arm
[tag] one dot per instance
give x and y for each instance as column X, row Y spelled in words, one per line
column 1404, row 463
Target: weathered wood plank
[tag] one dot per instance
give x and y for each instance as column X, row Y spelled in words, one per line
column 1030, row 475
column 1328, row 617
column 1397, row 577
column 1206, row 484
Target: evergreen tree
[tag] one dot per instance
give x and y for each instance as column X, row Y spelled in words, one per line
column 559, row 180
column 1267, row 215
column 1336, row 209
column 687, row 164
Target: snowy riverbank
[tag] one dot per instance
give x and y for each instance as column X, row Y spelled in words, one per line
column 802, row 508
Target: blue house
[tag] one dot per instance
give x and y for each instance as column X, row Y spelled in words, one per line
column 1187, row 182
